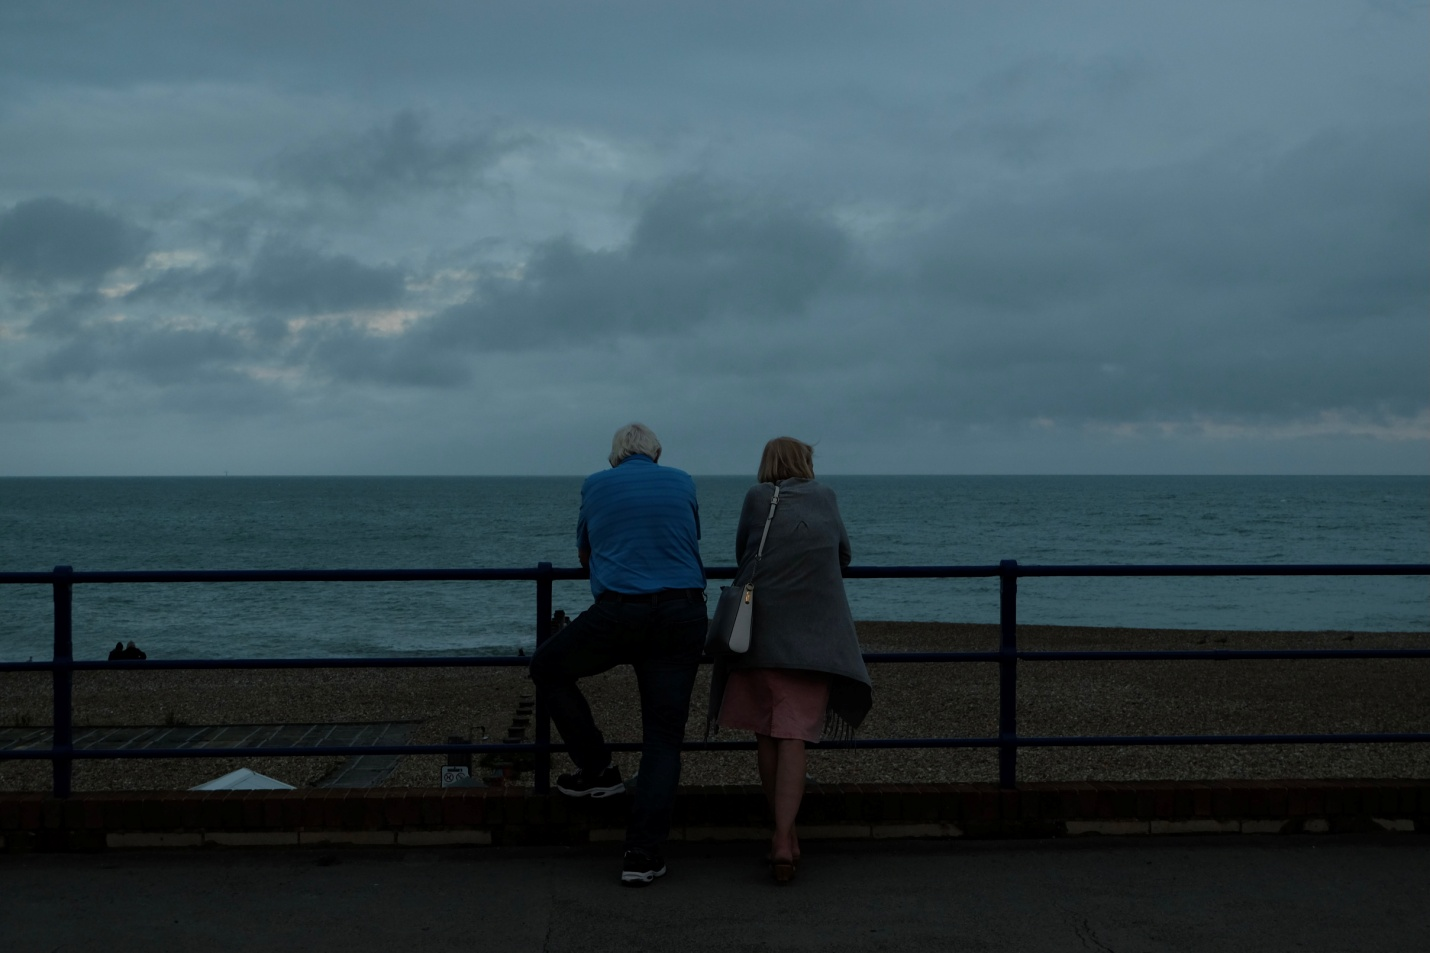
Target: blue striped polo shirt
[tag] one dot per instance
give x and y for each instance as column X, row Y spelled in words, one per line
column 641, row 525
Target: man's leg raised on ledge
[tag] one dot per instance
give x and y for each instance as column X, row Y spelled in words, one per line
column 589, row 645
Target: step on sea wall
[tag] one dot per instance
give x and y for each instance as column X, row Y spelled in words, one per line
column 516, row 815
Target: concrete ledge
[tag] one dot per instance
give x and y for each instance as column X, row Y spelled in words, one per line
column 251, row 838
column 1108, row 828
column 833, row 831
column 606, row 835
column 1195, row 826
column 517, row 815
column 154, row 840
column 914, row 830
column 725, row 833
column 350, row 838
column 444, row 838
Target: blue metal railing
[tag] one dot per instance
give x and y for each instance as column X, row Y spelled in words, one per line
column 62, row 753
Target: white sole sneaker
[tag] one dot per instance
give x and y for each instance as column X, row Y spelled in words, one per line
column 592, row 792
column 639, row 878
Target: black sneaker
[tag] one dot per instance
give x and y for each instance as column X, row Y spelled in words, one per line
column 581, row 784
column 641, row 867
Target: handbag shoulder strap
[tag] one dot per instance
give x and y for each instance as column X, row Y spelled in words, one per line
column 774, row 501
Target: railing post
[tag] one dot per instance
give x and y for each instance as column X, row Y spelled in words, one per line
column 542, row 767
column 62, row 742
column 1008, row 673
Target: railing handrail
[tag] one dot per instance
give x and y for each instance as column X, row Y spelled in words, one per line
column 532, row 574
column 62, row 665
column 878, row 658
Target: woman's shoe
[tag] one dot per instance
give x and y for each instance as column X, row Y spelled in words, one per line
column 783, row 869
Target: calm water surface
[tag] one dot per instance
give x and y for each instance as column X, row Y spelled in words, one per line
column 341, row 523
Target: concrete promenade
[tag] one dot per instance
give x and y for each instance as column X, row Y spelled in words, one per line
column 1336, row 893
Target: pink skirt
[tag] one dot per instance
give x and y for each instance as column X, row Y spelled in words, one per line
column 778, row 702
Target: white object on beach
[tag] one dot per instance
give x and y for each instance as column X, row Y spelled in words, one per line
column 243, row 780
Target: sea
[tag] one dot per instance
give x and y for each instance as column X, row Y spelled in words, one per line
column 503, row 522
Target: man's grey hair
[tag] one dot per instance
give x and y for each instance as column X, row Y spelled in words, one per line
column 631, row 439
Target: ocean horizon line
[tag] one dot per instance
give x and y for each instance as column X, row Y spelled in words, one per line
column 707, row 475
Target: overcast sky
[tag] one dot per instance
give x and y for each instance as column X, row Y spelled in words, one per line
column 474, row 238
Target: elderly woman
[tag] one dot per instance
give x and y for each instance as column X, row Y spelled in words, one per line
column 803, row 677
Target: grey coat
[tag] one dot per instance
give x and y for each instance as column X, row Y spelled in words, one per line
column 801, row 618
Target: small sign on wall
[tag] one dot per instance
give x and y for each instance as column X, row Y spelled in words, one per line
column 455, row 775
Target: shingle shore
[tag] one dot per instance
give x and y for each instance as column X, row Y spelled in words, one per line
column 910, row 701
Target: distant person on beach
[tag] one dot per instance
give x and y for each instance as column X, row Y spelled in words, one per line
column 130, row 652
column 117, row 652
column 803, row 677
column 638, row 532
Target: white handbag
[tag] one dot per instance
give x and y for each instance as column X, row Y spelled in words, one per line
column 735, row 609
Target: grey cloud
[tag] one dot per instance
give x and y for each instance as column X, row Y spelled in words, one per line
column 1120, row 232
column 351, row 355
column 294, row 280
column 398, row 157
column 178, row 284
column 66, row 316
column 283, row 279
column 254, row 300
column 1247, row 291
column 696, row 253
column 1337, row 226
column 159, row 355
column 1013, row 264
column 1047, row 78
column 1156, row 362
column 1031, row 111
column 1104, row 384
column 50, row 240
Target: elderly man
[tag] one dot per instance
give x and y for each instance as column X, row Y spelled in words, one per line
column 638, row 533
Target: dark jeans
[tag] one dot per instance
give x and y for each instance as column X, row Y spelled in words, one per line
column 662, row 642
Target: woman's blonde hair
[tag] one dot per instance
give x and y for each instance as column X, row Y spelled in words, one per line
column 786, row 457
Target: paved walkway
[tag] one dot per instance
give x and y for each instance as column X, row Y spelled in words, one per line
column 1338, row 894
column 362, row 771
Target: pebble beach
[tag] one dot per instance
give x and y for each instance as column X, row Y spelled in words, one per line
column 910, row 701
